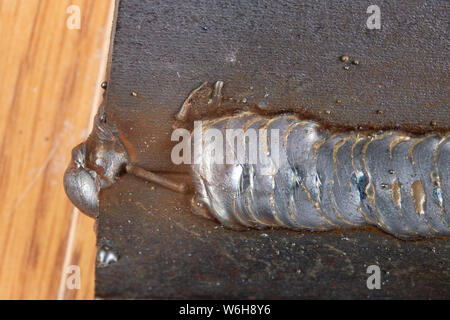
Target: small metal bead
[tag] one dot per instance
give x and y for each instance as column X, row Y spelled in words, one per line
column 345, row 58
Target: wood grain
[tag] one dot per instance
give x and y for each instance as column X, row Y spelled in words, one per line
column 50, row 88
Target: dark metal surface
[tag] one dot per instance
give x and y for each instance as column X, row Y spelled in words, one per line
column 167, row 252
column 280, row 55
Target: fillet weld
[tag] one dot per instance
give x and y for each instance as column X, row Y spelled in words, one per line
column 297, row 197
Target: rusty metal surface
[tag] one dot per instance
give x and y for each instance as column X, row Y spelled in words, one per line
column 167, row 252
column 280, row 55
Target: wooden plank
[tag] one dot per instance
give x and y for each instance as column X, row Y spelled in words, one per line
column 80, row 252
column 49, row 88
